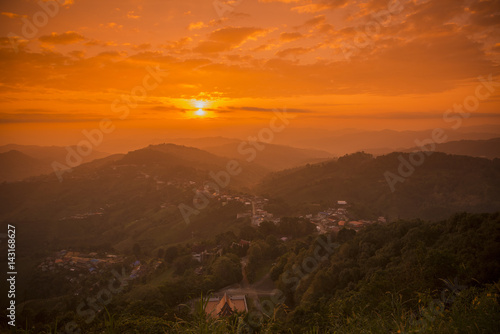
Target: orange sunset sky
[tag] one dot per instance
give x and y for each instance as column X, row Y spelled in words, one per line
column 365, row 64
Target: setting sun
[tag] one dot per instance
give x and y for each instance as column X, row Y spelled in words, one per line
column 200, row 112
column 199, row 105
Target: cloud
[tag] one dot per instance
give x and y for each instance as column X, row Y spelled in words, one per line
column 14, row 41
column 405, row 115
column 66, row 3
column 141, row 47
column 95, row 42
column 111, row 25
column 308, row 6
column 257, row 109
column 432, row 47
column 265, row 47
column 69, row 37
column 34, row 115
column 212, row 47
column 132, row 15
column 178, row 46
column 239, row 58
column 196, row 25
column 293, row 51
column 283, row 1
column 110, row 55
column 211, row 23
column 314, row 22
column 485, row 13
column 311, row 8
column 424, row 64
column 225, row 39
column 376, row 28
column 290, row 36
column 77, row 54
column 235, row 36
column 170, row 108
column 13, row 15
column 317, row 23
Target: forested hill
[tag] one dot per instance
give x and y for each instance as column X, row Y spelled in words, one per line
column 136, row 184
column 441, row 185
column 404, row 277
column 488, row 148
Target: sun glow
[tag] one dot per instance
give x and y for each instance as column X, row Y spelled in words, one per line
column 199, row 104
column 200, row 112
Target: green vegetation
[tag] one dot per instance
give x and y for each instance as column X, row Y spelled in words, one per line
column 409, row 276
column 442, row 185
column 404, row 276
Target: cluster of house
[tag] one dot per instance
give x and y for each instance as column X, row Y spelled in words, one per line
column 206, row 255
column 334, row 219
column 78, row 266
column 256, row 211
column 255, row 205
column 329, row 220
column 79, row 262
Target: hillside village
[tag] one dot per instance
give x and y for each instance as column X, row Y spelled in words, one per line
column 330, row 220
column 79, row 267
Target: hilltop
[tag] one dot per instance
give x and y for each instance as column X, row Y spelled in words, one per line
column 443, row 184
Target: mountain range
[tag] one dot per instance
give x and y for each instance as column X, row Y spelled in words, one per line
column 390, row 186
column 271, row 156
column 18, row 162
column 123, row 198
column 291, row 148
column 489, row 148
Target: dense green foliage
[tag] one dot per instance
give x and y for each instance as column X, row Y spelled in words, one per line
column 385, row 279
column 440, row 186
column 409, row 276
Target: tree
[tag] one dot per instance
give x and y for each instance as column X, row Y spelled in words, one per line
column 227, row 269
column 248, row 233
column 296, row 227
column 267, row 228
column 225, row 239
column 258, row 252
column 171, row 253
column 345, row 234
column 183, row 263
